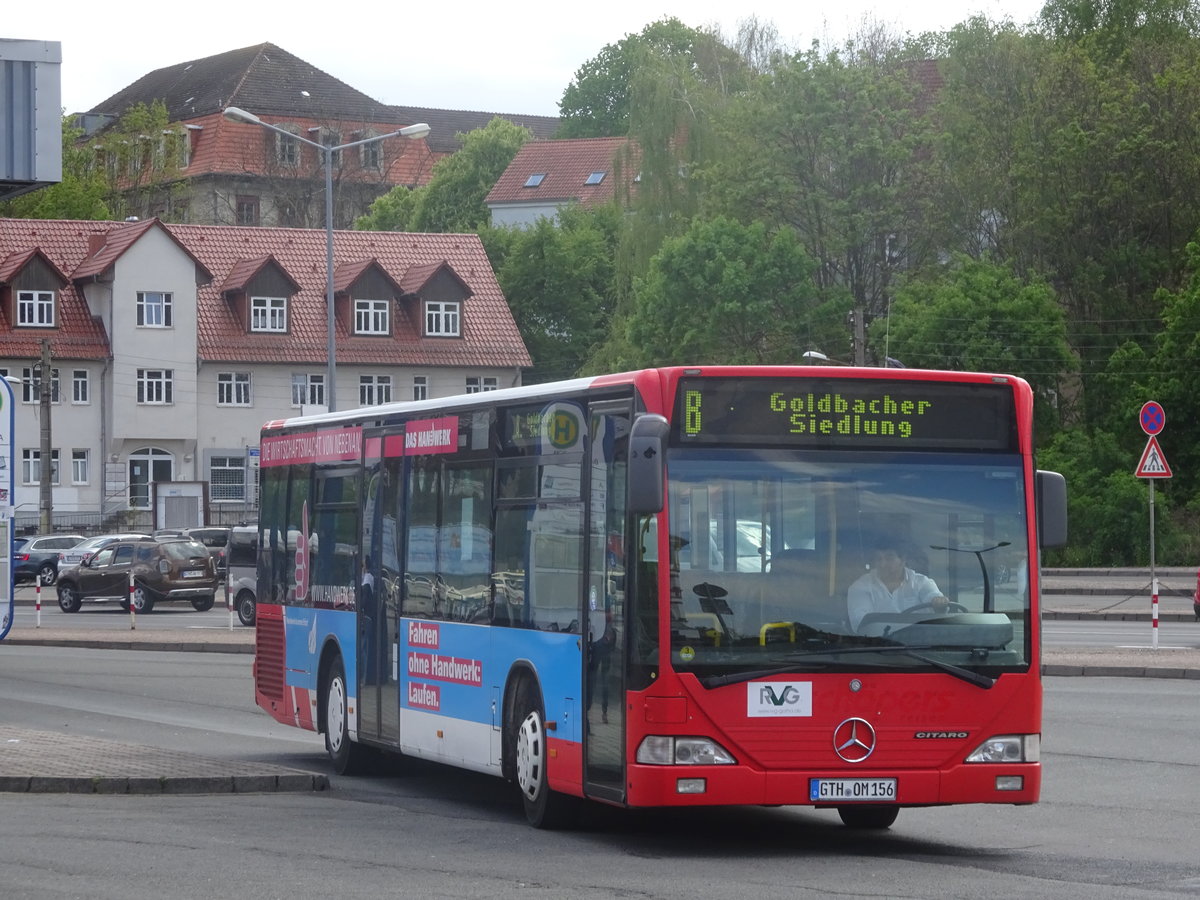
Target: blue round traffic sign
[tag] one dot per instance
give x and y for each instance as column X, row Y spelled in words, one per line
column 1152, row 418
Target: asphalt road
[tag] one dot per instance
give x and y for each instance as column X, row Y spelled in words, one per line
column 1116, row 821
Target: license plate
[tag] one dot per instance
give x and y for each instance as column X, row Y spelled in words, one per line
column 851, row 790
column 194, row 573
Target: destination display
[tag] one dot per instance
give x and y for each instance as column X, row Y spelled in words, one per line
column 849, row 413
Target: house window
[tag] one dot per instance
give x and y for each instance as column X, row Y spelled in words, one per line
column 268, row 314
column 374, row 389
column 227, row 478
column 35, row 309
column 287, row 150
column 371, row 317
column 79, row 466
column 31, row 466
column 80, row 387
column 535, row 179
column 476, row 384
column 420, row 387
column 154, row 386
column 441, row 319
column 153, row 309
column 31, row 385
column 371, row 156
column 594, row 178
column 233, row 389
column 308, row 389
column 331, row 139
column 247, row 210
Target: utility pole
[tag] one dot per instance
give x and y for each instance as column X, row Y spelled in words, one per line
column 45, row 468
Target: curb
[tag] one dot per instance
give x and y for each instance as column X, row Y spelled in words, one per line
column 162, row 784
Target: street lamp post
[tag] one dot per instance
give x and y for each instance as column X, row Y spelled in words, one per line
column 413, row 132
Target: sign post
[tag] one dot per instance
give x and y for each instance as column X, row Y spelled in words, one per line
column 1152, row 465
column 7, row 462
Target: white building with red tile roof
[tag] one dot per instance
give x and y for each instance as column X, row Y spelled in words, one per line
column 172, row 345
column 544, row 176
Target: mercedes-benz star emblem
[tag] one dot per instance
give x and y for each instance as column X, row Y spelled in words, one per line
column 854, row 740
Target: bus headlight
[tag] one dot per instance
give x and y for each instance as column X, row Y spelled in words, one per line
column 1008, row 748
column 665, row 750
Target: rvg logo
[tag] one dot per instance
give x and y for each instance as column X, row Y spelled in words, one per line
column 788, row 696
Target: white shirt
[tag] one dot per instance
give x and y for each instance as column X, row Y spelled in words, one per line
column 868, row 594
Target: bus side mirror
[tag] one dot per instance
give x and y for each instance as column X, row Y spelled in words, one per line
column 646, row 440
column 1050, row 493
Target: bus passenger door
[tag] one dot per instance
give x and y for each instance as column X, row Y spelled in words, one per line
column 379, row 588
column 605, row 632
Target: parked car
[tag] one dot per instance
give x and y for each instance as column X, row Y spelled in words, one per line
column 214, row 537
column 163, row 570
column 241, row 555
column 37, row 555
column 75, row 555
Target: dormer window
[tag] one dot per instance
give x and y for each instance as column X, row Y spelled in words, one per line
column 268, row 314
column 442, row 318
column 153, row 309
column 372, row 317
column 35, row 309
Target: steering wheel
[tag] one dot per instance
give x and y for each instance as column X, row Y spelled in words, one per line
column 949, row 606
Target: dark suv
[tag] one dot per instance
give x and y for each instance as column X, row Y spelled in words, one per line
column 214, row 537
column 37, row 556
column 162, row 570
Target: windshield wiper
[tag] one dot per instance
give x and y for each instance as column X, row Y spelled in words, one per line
column 967, row 675
column 715, row 681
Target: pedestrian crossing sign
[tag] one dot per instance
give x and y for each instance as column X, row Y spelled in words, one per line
column 1153, row 464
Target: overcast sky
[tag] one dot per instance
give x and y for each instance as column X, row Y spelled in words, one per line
column 488, row 56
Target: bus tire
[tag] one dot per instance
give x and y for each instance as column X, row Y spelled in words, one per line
column 544, row 808
column 348, row 757
column 868, row 818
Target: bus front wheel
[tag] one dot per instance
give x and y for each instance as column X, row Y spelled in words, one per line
column 348, row 758
column 544, row 808
column 874, row 818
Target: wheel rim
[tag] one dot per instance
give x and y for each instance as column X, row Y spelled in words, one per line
column 246, row 607
column 335, row 713
column 46, row 573
column 66, row 599
column 139, row 599
column 530, row 755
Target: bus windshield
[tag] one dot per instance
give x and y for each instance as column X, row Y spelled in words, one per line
column 847, row 560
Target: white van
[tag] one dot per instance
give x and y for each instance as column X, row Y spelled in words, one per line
column 241, row 557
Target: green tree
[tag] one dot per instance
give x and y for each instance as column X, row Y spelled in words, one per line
column 833, row 145
column 559, row 281
column 392, row 211
column 724, row 293
column 453, row 199
column 977, row 316
column 599, row 100
column 80, row 194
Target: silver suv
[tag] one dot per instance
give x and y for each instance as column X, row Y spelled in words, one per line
column 241, row 557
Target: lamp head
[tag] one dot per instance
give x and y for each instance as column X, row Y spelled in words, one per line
column 234, row 114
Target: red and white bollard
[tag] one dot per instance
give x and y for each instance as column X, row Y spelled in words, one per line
column 228, row 600
column 132, row 611
column 38, row 599
column 1154, row 613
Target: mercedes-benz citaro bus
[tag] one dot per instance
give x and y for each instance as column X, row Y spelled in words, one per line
column 672, row 587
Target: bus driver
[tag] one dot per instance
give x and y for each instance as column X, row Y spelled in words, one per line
column 890, row 586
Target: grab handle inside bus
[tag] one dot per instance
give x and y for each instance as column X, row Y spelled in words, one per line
column 1050, row 491
column 646, row 440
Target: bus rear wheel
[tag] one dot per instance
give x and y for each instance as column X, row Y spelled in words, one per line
column 872, row 818
column 348, row 757
column 544, row 808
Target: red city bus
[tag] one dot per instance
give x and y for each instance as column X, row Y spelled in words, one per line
column 679, row 586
